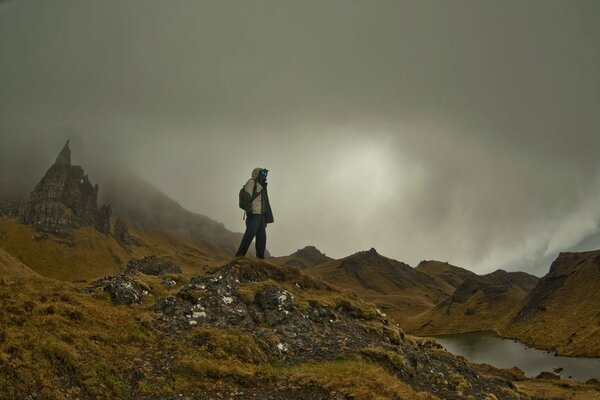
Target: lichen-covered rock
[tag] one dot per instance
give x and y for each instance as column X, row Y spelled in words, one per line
column 64, row 200
column 123, row 290
column 277, row 304
column 152, row 265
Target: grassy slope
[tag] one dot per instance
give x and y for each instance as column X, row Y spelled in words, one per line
column 449, row 276
column 11, row 267
column 59, row 342
column 90, row 254
column 476, row 314
column 565, row 319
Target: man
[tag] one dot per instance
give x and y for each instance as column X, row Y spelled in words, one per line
column 258, row 215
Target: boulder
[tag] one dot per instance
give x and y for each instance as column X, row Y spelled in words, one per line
column 276, row 303
column 123, row 290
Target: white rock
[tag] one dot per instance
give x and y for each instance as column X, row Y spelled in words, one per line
column 281, row 347
column 227, row 300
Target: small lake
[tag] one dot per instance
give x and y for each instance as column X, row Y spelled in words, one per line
column 506, row 353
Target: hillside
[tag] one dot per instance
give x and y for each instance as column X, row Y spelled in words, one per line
column 449, row 274
column 397, row 289
column 10, row 267
column 433, row 298
column 247, row 330
column 562, row 312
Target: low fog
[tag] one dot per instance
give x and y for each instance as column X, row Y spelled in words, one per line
column 463, row 131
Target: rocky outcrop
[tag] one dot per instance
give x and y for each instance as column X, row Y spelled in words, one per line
column 121, row 233
column 152, row 265
column 123, row 289
column 64, row 200
column 273, row 307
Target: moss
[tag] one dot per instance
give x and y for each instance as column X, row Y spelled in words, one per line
column 355, row 378
column 225, row 344
column 459, row 383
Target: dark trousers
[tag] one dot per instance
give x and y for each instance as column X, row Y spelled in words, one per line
column 255, row 227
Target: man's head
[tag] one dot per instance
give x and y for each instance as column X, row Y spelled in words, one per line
column 260, row 174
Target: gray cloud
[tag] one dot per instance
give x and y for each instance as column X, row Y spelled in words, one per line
column 463, row 131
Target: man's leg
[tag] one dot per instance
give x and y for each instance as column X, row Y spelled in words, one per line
column 261, row 238
column 252, row 225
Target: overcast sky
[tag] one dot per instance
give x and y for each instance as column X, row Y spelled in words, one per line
column 462, row 131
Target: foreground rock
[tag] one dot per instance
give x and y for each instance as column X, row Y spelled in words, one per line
column 273, row 306
column 123, row 289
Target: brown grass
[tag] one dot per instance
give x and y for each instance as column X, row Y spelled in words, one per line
column 88, row 254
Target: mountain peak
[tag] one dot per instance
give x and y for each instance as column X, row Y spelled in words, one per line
column 310, row 252
column 64, row 157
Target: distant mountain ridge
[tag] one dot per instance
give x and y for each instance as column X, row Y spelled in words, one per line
column 424, row 299
column 398, row 289
column 308, row 256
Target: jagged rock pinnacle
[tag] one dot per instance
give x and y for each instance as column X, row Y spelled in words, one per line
column 65, row 199
column 64, row 157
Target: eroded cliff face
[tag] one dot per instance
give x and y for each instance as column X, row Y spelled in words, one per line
column 65, row 199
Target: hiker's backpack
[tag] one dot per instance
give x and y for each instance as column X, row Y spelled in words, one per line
column 246, row 200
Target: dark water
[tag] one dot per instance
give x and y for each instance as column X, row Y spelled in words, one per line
column 504, row 353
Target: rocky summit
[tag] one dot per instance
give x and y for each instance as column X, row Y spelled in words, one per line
column 64, row 200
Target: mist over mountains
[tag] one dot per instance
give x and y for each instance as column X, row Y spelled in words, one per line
column 426, row 131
